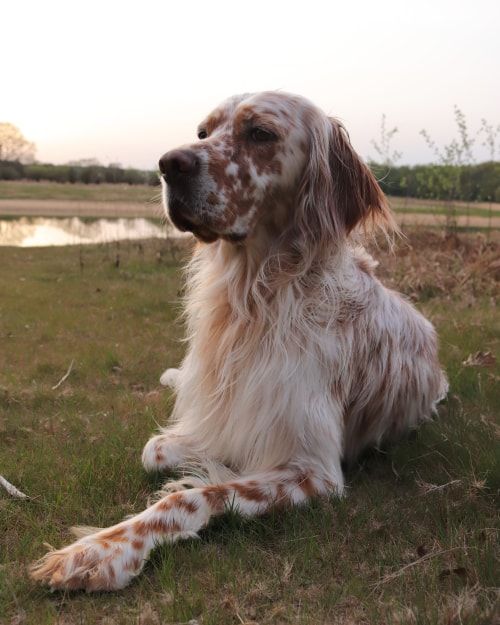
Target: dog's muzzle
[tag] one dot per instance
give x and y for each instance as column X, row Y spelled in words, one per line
column 180, row 170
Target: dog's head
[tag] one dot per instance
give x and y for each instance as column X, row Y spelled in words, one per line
column 274, row 160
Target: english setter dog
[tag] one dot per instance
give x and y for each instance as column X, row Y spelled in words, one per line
column 298, row 358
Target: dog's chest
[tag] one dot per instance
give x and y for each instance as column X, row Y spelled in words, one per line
column 258, row 379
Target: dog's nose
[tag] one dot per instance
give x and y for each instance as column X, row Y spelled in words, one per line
column 179, row 164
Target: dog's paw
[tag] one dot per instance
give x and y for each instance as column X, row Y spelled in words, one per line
column 169, row 378
column 107, row 560
column 162, row 452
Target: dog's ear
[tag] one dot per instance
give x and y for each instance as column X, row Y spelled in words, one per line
column 338, row 192
column 357, row 196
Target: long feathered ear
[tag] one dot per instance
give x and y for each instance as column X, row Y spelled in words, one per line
column 357, row 196
column 338, row 192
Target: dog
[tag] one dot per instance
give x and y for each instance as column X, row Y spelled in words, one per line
column 298, row 358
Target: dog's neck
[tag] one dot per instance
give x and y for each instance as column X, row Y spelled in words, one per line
column 275, row 254
column 254, row 278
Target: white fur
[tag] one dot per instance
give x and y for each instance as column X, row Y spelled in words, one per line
column 169, row 377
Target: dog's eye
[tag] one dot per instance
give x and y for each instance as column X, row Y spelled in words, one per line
column 202, row 134
column 260, row 135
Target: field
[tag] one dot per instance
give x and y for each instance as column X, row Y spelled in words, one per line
column 51, row 199
column 25, row 190
column 414, row 542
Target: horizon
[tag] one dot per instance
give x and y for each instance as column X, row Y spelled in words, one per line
column 131, row 84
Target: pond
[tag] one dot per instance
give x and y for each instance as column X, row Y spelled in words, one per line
column 46, row 231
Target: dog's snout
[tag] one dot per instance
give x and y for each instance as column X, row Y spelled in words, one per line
column 179, row 164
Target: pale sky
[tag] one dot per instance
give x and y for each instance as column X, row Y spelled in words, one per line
column 126, row 81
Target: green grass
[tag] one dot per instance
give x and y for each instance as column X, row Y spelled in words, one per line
column 23, row 190
column 76, row 452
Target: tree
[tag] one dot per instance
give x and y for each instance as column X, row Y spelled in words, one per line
column 490, row 134
column 387, row 155
column 459, row 151
column 85, row 162
column 14, row 146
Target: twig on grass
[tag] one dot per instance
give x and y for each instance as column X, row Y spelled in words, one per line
column 428, row 556
column 11, row 489
column 430, row 488
column 65, row 376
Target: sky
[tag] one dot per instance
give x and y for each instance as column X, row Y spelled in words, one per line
column 127, row 81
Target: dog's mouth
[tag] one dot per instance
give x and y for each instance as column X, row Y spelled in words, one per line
column 182, row 218
column 204, row 234
column 180, row 215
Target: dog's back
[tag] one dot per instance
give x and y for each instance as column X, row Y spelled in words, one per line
column 395, row 379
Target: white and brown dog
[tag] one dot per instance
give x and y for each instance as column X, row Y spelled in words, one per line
column 298, row 356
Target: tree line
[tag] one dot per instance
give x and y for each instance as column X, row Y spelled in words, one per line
column 86, row 174
column 469, row 183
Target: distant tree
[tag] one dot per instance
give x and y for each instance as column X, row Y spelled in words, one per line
column 85, row 162
column 153, row 179
column 446, row 178
column 459, row 150
column 14, row 146
column 490, row 134
column 11, row 170
column 386, row 155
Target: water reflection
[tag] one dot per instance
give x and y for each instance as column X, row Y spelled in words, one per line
column 43, row 231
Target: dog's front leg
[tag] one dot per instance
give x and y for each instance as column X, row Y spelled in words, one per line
column 170, row 378
column 166, row 451
column 108, row 559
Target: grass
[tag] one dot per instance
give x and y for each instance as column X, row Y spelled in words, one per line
column 400, row 202
column 440, row 208
column 24, row 190
column 415, row 541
